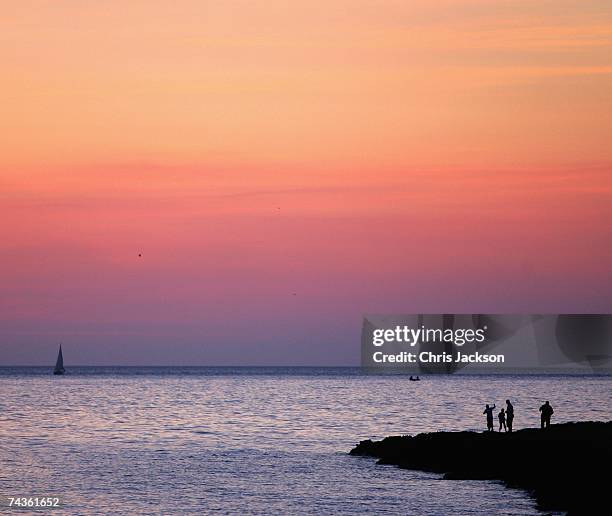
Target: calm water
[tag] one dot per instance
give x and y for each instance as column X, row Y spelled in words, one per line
column 196, row 440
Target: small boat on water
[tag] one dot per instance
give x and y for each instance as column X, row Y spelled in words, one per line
column 59, row 365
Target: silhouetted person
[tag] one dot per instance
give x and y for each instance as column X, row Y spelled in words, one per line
column 509, row 414
column 545, row 412
column 502, row 420
column 489, row 412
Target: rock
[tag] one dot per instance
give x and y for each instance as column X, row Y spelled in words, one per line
column 565, row 467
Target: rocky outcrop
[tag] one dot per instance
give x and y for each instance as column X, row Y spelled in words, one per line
column 565, row 467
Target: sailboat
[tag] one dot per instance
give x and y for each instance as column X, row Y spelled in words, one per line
column 59, row 365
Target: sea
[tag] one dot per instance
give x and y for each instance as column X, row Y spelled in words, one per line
column 227, row 440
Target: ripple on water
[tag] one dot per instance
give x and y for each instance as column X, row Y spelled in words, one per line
column 264, row 443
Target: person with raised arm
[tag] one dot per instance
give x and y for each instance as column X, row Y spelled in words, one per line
column 489, row 412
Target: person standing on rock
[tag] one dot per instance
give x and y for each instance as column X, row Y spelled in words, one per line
column 502, row 420
column 509, row 415
column 546, row 411
column 489, row 412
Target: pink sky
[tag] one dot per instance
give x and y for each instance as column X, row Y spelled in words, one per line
column 286, row 168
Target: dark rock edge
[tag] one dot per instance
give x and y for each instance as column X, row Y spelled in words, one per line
column 565, row 467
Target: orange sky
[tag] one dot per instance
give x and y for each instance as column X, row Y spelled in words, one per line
column 252, row 150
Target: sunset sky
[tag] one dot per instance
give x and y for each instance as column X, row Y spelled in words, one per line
column 284, row 167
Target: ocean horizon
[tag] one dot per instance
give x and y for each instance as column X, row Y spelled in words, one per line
column 76, row 370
